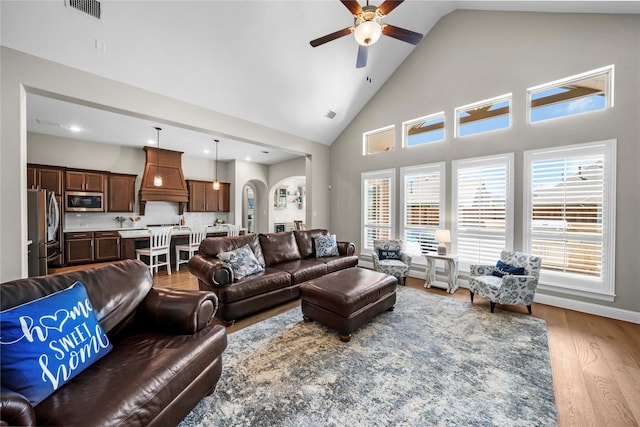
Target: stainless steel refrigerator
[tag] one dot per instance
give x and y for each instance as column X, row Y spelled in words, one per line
column 43, row 221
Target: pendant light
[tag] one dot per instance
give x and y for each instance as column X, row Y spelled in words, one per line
column 216, row 183
column 157, row 180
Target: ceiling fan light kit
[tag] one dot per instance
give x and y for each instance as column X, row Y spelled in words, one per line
column 367, row 28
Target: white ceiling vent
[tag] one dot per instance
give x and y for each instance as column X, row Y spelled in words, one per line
column 90, row 7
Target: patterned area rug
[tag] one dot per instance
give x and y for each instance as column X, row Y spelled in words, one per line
column 433, row 361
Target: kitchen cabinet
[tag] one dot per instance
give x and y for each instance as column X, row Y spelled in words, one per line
column 203, row 198
column 122, row 195
column 87, row 246
column 45, row 178
column 85, row 181
column 107, row 246
column 78, row 248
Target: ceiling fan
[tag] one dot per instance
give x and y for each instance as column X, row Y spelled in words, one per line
column 368, row 28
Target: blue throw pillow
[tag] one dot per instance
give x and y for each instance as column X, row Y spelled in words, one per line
column 46, row 342
column 504, row 268
column 242, row 261
column 326, row 245
column 388, row 254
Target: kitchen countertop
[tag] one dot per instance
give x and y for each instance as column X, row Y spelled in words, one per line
column 136, row 232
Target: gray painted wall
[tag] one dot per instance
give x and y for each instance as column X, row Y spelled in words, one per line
column 470, row 56
column 21, row 73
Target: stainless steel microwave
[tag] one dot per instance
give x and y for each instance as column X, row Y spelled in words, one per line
column 80, row 201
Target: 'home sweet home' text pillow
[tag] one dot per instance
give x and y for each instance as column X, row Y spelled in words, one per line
column 46, row 342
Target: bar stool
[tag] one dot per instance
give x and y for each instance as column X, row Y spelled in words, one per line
column 197, row 233
column 233, row 230
column 159, row 245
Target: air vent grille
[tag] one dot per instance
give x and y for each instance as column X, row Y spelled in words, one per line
column 90, row 7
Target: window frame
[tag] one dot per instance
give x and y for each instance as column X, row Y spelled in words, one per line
column 479, row 104
column 569, row 283
column 381, row 174
column 406, row 124
column 506, row 159
column 439, row 168
column 609, row 91
column 366, row 135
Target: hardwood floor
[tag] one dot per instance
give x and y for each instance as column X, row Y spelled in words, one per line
column 595, row 360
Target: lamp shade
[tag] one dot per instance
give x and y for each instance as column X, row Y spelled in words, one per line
column 443, row 236
column 367, row 33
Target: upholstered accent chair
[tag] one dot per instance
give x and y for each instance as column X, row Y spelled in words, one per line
column 397, row 262
column 510, row 288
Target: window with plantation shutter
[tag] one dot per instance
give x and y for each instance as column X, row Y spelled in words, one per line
column 482, row 209
column 377, row 206
column 422, row 200
column 569, row 215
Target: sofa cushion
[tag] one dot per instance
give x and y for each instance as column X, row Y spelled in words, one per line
column 212, row 246
column 134, row 382
column 242, row 261
column 339, row 262
column 326, row 246
column 279, row 247
column 304, row 238
column 255, row 284
column 302, row 270
column 49, row 341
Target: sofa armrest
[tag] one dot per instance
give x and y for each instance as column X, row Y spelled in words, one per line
column 16, row 409
column 178, row 310
column 481, row 270
column 346, row 248
column 212, row 271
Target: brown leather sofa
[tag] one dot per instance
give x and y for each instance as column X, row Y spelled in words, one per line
column 289, row 259
column 166, row 355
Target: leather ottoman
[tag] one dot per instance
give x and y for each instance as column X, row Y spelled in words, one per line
column 347, row 299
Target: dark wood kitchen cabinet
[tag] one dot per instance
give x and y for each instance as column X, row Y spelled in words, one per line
column 122, row 194
column 107, row 246
column 85, row 181
column 45, row 178
column 203, row 198
column 87, row 246
column 78, row 248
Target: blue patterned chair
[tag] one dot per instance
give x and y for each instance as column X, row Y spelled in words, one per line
column 508, row 289
column 399, row 267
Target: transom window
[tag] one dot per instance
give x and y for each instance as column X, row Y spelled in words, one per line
column 379, row 141
column 378, row 206
column 484, row 116
column 424, row 130
column 590, row 91
column 570, row 215
column 423, row 199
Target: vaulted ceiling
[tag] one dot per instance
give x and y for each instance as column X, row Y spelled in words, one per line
column 249, row 59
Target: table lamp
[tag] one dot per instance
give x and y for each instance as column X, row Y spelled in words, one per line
column 443, row 237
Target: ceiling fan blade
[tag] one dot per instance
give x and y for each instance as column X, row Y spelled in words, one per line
column 329, row 37
column 363, row 52
column 353, row 6
column 387, row 6
column 401, row 34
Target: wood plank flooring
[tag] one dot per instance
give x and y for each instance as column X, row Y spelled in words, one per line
column 595, row 360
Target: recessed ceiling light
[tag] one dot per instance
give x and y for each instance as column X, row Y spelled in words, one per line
column 74, row 128
column 206, row 151
column 248, row 159
column 151, row 142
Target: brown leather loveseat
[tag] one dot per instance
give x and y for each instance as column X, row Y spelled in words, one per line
column 166, row 355
column 289, row 259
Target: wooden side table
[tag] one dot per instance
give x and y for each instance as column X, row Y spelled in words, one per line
column 452, row 267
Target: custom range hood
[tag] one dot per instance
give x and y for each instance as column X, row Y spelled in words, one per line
column 167, row 164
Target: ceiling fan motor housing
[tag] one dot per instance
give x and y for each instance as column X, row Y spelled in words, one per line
column 367, row 24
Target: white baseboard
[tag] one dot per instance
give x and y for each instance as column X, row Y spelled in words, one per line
column 418, row 271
